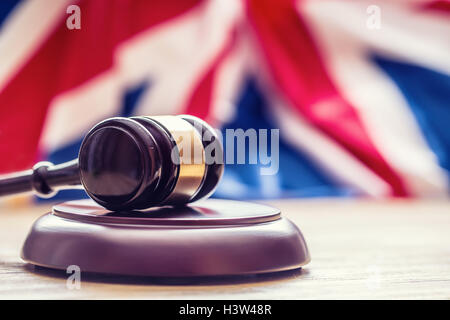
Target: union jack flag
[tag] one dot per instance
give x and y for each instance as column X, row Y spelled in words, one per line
column 363, row 105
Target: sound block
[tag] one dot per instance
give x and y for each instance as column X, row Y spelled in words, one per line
column 207, row 238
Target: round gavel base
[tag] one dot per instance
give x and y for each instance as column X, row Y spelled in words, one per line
column 208, row 238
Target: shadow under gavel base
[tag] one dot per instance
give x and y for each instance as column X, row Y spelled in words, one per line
column 208, row 238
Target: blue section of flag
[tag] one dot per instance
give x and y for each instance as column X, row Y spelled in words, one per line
column 6, row 7
column 298, row 176
column 131, row 98
column 428, row 95
column 69, row 152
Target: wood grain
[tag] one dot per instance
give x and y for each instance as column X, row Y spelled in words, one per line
column 360, row 250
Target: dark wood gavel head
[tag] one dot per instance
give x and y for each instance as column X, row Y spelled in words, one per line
column 142, row 162
column 135, row 163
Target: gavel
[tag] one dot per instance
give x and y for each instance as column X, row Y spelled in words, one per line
column 134, row 163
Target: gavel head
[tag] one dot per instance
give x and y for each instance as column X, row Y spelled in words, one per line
column 141, row 162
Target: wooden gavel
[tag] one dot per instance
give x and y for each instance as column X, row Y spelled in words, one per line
column 134, row 163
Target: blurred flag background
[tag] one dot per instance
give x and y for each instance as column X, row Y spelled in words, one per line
column 360, row 90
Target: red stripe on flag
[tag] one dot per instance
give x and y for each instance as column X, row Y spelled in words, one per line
column 442, row 6
column 200, row 102
column 300, row 74
column 67, row 59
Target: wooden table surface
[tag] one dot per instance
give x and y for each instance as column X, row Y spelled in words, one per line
column 360, row 249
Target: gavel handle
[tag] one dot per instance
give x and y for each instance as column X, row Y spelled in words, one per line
column 44, row 179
